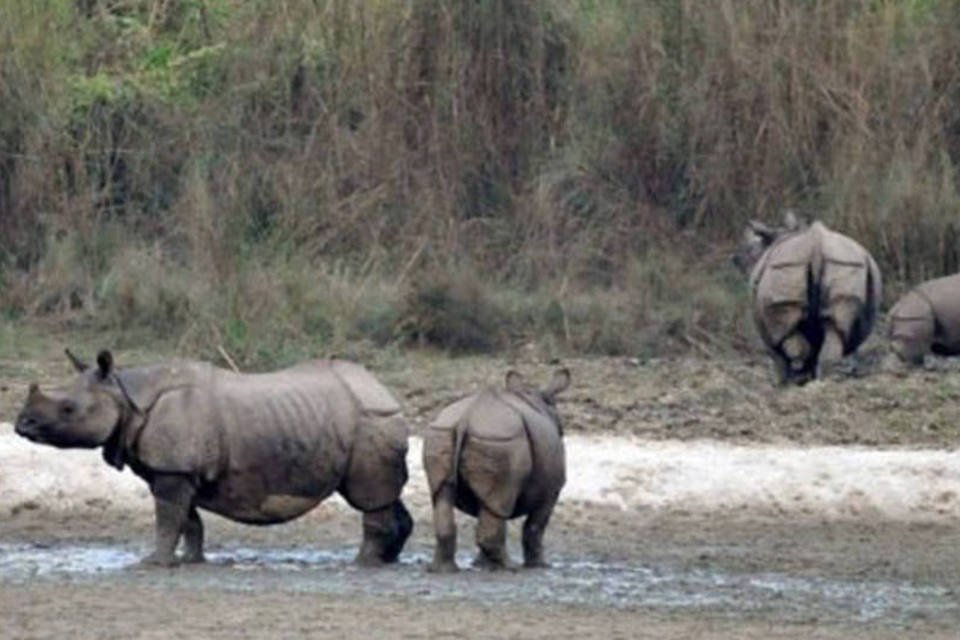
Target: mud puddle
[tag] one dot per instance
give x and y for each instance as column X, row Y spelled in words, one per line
column 571, row 580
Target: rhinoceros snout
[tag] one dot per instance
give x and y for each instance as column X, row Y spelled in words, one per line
column 27, row 426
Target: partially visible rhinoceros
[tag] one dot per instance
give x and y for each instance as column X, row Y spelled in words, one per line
column 496, row 455
column 927, row 320
column 255, row 448
column 815, row 294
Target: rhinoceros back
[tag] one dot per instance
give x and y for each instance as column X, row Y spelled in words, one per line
column 371, row 395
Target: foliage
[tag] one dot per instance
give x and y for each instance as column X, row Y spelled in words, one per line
column 589, row 160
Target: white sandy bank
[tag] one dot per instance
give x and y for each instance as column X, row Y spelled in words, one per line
column 693, row 477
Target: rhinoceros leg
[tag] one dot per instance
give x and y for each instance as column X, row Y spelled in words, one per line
column 445, row 528
column 781, row 368
column 173, row 498
column 193, row 537
column 384, row 533
column 533, row 528
column 492, row 540
column 830, row 352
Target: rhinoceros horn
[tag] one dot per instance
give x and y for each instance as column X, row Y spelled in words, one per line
column 767, row 234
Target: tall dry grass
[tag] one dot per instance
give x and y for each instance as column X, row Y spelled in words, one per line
column 284, row 176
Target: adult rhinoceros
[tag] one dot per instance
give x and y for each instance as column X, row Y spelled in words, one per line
column 927, row 320
column 255, row 448
column 815, row 294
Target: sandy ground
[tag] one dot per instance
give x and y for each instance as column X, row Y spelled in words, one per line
column 700, row 503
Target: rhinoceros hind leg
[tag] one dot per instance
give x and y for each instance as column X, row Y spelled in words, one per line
column 173, row 498
column 193, row 538
column 445, row 528
column 492, row 540
column 533, row 529
column 385, row 531
column 781, row 369
column 830, row 353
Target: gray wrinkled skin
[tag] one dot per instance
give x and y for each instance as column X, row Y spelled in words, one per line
column 255, row 448
column 815, row 294
column 927, row 320
column 496, row 455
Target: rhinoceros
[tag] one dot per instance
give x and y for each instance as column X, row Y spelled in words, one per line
column 496, row 455
column 815, row 294
column 255, row 448
column 927, row 320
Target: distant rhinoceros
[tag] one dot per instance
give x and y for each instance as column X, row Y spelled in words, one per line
column 255, row 448
column 815, row 294
column 496, row 455
column 927, row 320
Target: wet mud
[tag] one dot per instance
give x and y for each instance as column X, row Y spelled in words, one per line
column 700, row 503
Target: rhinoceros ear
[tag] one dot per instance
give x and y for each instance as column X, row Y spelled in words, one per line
column 78, row 364
column 33, row 390
column 766, row 234
column 561, row 380
column 790, row 220
column 104, row 364
column 513, row 381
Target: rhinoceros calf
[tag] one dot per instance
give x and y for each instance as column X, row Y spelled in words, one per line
column 496, row 455
column 927, row 320
column 255, row 448
column 815, row 294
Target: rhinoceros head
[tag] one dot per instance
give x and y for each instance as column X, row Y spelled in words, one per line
column 83, row 414
column 545, row 398
column 757, row 237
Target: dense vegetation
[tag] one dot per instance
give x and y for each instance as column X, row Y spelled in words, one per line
column 282, row 176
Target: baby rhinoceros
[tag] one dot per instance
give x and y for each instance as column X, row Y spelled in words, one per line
column 927, row 320
column 496, row 455
column 255, row 448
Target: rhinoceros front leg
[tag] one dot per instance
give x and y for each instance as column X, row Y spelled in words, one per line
column 445, row 528
column 492, row 540
column 533, row 528
column 193, row 537
column 384, row 533
column 173, row 498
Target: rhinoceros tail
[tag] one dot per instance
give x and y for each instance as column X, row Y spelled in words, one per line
column 460, row 434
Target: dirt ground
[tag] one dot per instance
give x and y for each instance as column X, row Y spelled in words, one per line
column 619, row 572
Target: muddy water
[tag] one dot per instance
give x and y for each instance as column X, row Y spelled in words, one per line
column 572, row 580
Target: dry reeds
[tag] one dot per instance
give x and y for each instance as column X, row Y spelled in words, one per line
column 200, row 169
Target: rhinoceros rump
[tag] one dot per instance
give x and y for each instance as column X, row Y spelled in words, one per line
column 815, row 297
column 927, row 320
column 496, row 455
column 255, row 448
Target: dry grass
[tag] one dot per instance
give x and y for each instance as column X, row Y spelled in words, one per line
column 292, row 177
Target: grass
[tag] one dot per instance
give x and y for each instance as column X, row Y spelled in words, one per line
column 472, row 177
